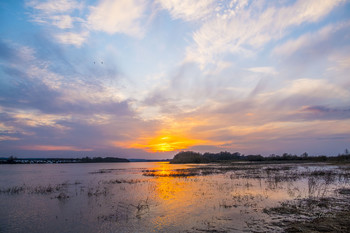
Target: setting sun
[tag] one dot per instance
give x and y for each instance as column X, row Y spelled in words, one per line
column 165, row 143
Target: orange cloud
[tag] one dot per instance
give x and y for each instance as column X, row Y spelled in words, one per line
column 162, row 143
column 175, row 135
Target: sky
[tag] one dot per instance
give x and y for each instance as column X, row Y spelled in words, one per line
column 146, row 79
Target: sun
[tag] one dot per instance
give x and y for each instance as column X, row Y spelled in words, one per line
column 165, row 143
column 175, row 136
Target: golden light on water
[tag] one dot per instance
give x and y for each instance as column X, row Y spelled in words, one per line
column 166, row 186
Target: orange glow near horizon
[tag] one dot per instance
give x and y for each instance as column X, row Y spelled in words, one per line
column 165, row 143
column 176, row 135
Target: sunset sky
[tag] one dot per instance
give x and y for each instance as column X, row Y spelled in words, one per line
column 144, row 79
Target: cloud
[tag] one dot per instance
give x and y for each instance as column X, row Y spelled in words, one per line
column 71, row 38
column 118, row 16
column 7, row 138
column 31, row 78
column 268, row 70
column 10, row 53
column 62, row 21
column 54, row 6
column 53, row 148
column 60, row 15
column 313, row 90
column 323, row 113
column 73, row 21
column 56, row 13
column 309, row 40
column 188, row 10
column 273, row 118
column 43, row 110
column 245, row 30
column 235, row 75
column 339, row 63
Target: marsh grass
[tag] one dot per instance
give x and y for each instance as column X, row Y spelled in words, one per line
column 41, row 189
column 97, row 191
column 14, row 190
column 123, row 181
column 125, row 212
column 171, row 173
column 343, row 191
column 121, row 213
column 312, row 215
column 226, row 204
column 62, row 196
column 100, row 172
column 142, row 208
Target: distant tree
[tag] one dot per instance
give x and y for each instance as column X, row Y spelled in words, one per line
column 189, row 157
column 86, row 159
column 254, row 158
column 11, row 159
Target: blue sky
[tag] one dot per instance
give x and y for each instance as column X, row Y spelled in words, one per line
column 144, row 79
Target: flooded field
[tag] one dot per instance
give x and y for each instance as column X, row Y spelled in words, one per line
column 162, row 197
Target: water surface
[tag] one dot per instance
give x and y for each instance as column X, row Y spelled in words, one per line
column 155, row 197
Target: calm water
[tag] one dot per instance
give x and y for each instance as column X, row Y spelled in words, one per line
column 153, row 197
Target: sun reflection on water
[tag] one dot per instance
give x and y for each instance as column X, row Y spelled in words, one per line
column 167, row 187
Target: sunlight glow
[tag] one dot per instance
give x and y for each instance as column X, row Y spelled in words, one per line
column 166, row 143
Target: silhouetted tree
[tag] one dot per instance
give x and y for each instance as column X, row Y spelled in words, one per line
column 11, row 159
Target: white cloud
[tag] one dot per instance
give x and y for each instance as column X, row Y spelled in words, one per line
column 54, row 6
column 62, row 21
column 305, row 11
column 59, row 13
column 118, row 16
column 76, row 39
column 236, row 29
column 313, row 91
column 264, row 70
column 341, row 61
column 309, row 39
column 188, row 10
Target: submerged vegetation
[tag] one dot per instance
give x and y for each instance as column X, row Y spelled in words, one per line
column 195, row 157
column 48, row 189
column 326, row 214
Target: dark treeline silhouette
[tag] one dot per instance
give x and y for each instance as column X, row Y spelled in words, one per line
column 195, row 157
column 14, row 160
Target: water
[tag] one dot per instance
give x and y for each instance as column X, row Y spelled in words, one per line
column 154, row 197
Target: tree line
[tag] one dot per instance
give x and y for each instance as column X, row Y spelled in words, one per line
column 195, row 157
